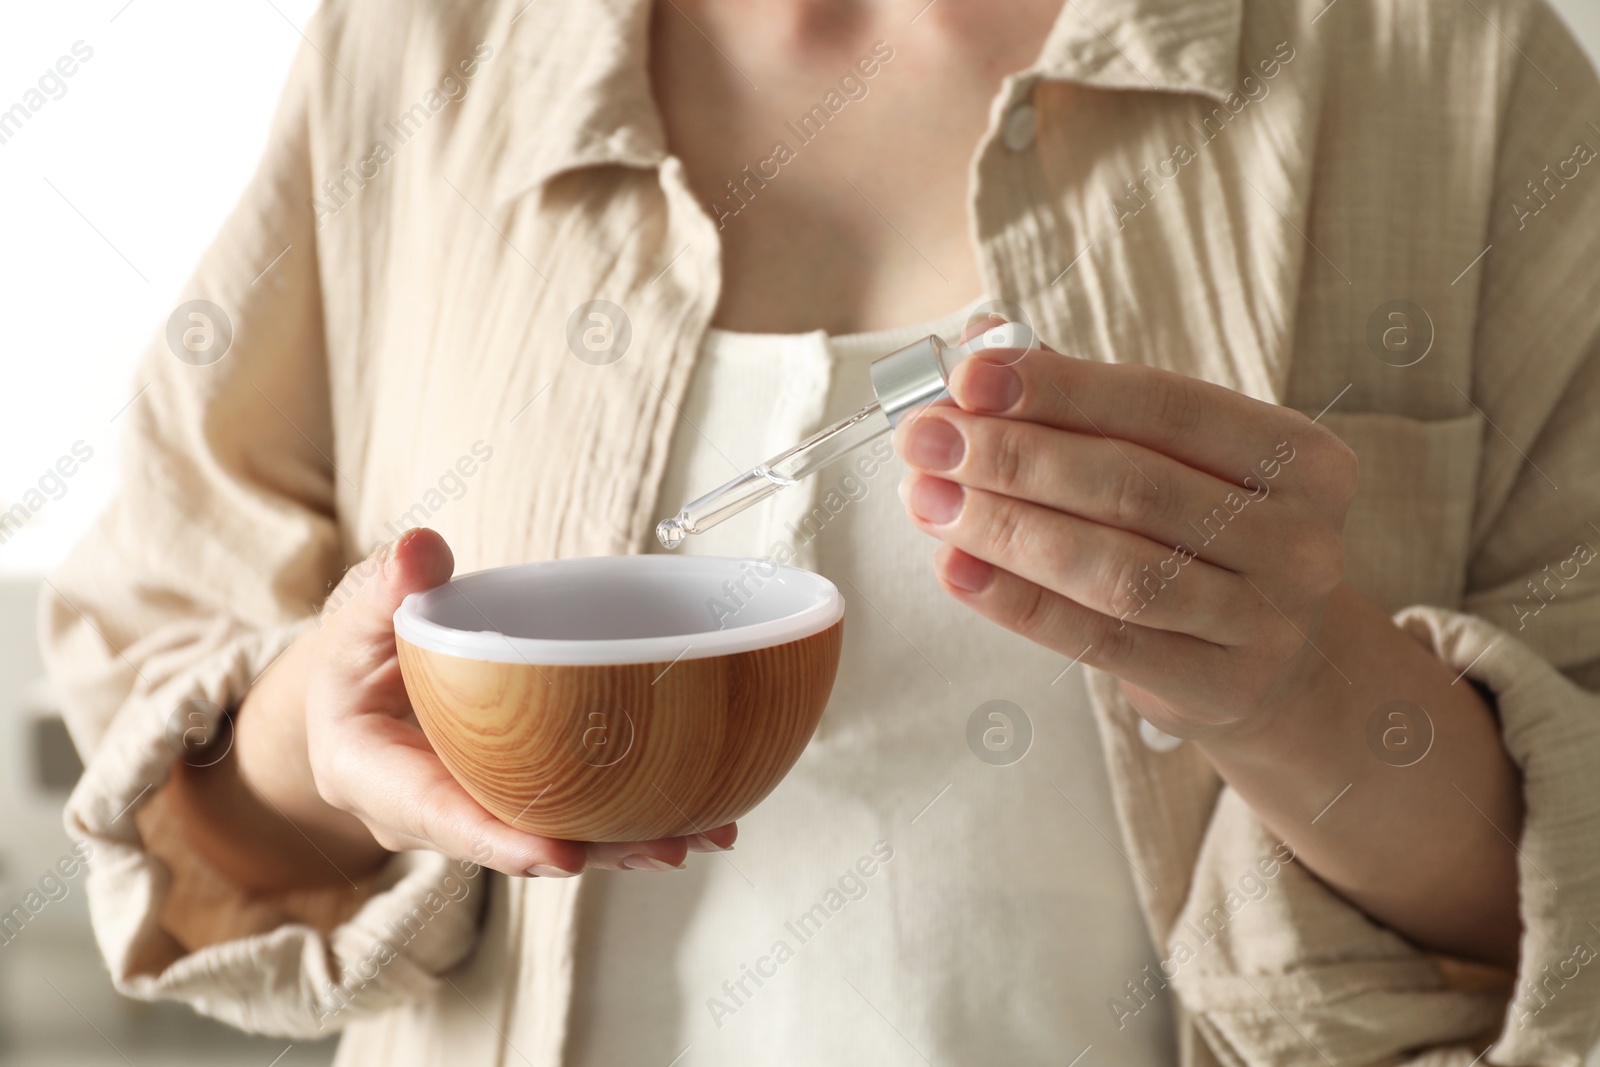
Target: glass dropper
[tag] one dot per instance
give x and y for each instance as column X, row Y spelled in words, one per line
column 903, row 380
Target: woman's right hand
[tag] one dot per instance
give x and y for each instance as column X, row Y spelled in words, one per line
column 329, row 755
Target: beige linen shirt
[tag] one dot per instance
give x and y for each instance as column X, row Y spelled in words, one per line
column 1383, row 211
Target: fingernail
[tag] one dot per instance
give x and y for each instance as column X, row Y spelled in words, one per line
column 989, row 387
column 702, row 843
column 543, row 870
column 649, row 863
column 934, row 444
column 968, row 573
column 936, row 500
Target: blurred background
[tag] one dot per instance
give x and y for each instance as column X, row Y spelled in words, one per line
column 114, row 185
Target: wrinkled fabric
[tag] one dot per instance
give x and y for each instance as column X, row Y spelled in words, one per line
column 739, row 956
column 1242, row 191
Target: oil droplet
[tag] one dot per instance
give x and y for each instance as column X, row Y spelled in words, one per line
column 671, row 532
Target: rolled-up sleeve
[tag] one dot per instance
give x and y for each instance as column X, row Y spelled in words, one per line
column 1293, row 974
column 218, row 548
column 1301, row 976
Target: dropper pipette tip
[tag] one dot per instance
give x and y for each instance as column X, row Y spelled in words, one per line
column 672, row 532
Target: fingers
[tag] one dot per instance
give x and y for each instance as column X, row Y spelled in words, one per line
column 1112, row 571
column 1217, row 430
column 1120, row 484
column 370, row 759
column 388, row 776
column 665, row 854
column 1175, row 667
column 364, row 603
column 719, row 840
column 383, row 771
column 358, row 617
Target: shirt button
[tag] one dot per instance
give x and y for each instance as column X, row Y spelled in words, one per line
column 1155, row 740
column 1020, row 126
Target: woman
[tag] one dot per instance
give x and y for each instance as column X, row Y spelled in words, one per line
column 1287, row 535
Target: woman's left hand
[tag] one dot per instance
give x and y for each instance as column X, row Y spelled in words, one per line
column 1179, row 535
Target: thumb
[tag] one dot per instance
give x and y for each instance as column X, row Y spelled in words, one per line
column 362, row 608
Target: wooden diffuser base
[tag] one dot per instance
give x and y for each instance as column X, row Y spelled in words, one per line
column 627, row 752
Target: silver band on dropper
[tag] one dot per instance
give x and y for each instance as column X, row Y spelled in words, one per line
column 919, row 373
column 910, row 377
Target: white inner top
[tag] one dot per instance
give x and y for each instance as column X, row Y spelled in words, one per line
column 619, row 609
column 1005, row 919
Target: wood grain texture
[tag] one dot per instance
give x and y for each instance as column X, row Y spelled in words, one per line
column 627, row 752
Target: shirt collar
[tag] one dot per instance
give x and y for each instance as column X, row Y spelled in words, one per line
column 1183, row 46
column 580, row 81
column 579, row 89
